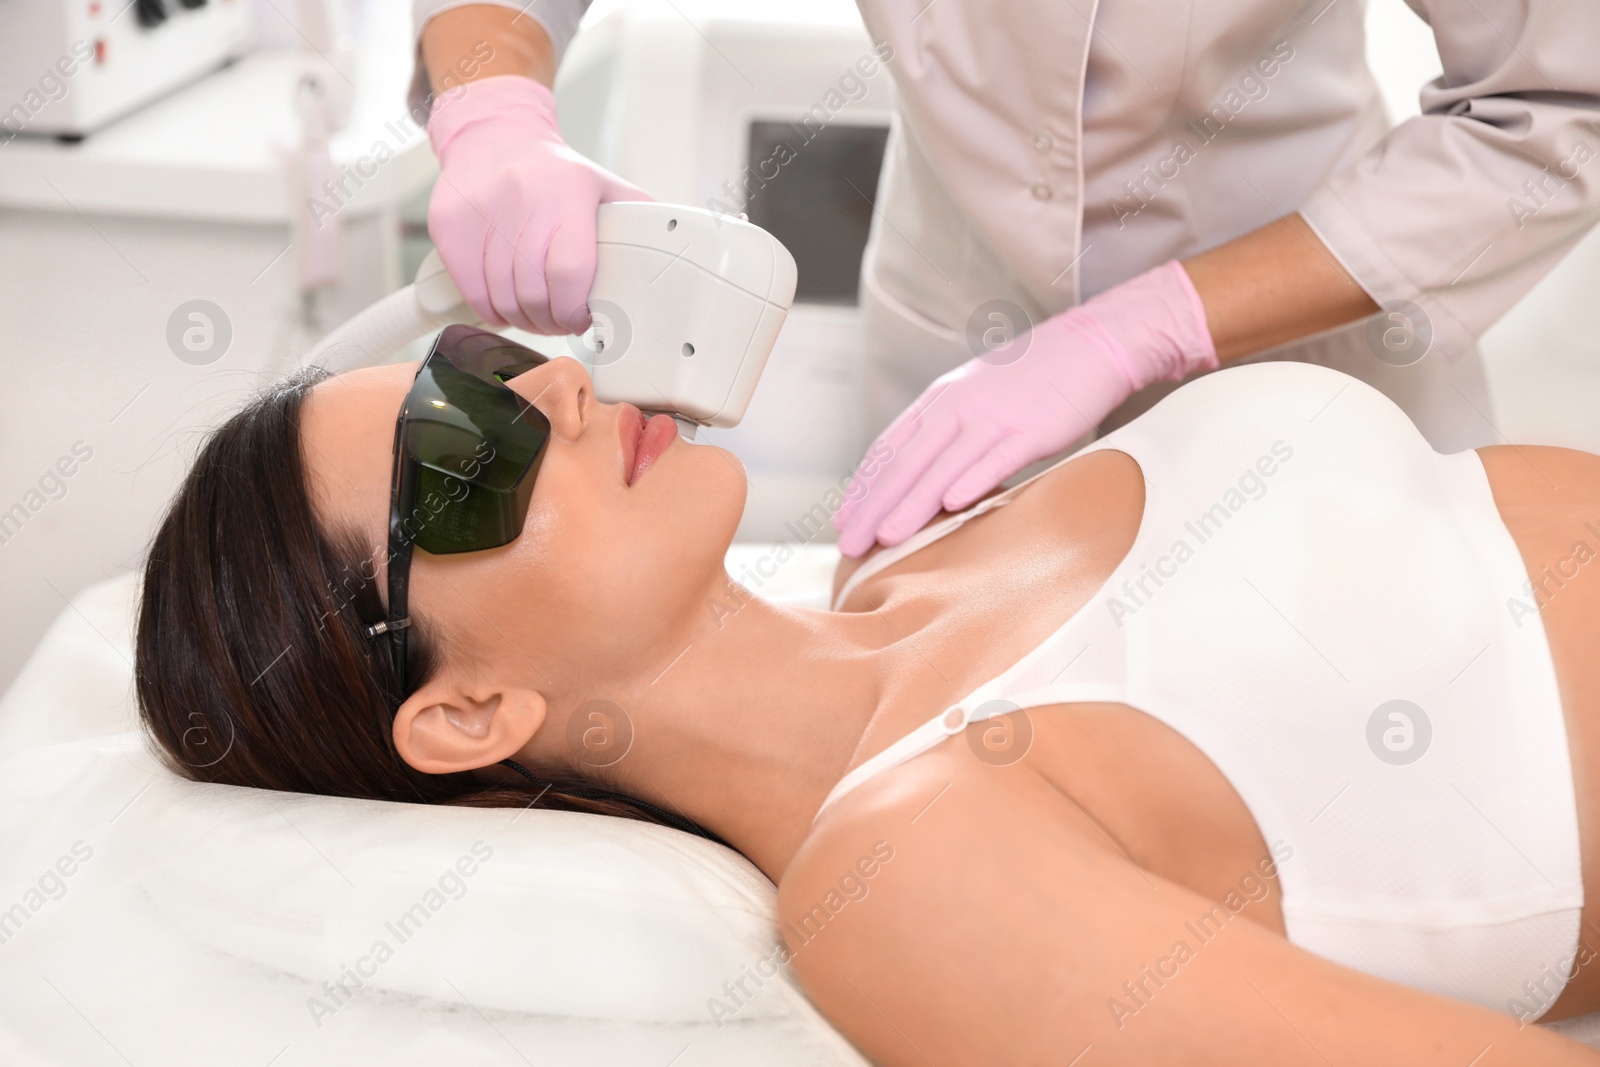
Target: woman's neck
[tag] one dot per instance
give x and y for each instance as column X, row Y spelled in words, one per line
column 748, row 727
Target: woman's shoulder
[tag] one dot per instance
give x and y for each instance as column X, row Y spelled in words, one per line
column 853, row 840
column 881, row 841
column 905, row 889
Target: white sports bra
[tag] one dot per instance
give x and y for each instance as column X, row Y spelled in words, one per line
column 1320, row 603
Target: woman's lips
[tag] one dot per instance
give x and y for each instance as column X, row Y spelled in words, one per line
column 630, row 427
column 643, row 440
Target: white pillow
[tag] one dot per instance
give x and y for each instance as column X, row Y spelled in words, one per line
column 164, row 921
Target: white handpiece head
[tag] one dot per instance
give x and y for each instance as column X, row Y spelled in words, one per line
column 687, row 304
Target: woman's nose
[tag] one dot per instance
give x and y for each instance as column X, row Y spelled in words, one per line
column 561, row 390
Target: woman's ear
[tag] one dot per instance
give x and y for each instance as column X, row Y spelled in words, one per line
column 444, row 727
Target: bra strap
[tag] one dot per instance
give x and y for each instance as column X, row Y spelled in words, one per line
column 946, row 724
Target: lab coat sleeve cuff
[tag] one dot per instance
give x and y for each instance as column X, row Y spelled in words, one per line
column 559, row 18
column 1350, row 242
column 1463, row 208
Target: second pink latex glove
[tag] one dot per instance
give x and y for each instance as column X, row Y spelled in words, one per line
column 513, row 213
column 993, row 415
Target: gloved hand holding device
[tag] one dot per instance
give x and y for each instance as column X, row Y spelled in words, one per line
column 993, row 415
column 513, row 213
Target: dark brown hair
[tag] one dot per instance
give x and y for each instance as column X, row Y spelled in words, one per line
column 251, row 664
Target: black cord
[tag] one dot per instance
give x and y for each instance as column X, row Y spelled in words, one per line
column 670, row 818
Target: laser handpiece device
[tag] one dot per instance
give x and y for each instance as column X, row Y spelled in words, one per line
column 686, row 304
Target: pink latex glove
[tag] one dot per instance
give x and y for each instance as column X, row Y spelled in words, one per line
column 513, row 213
column 981, row 423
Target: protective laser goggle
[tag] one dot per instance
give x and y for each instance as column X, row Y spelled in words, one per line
column 466, row 452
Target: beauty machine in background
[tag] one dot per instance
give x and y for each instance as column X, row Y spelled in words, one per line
column 686, row 302
column 67, row 69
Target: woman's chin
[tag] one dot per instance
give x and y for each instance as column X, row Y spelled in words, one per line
column 723, row 488
column 693, row 489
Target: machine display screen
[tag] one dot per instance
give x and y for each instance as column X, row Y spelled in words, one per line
column 817, row 200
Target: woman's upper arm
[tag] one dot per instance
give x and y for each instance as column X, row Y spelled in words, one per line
column 940, row 923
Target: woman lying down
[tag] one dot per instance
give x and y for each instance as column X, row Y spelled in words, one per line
column 1242, row 735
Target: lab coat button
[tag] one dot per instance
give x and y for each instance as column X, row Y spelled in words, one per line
column 1041, row 141
column 1041, row 191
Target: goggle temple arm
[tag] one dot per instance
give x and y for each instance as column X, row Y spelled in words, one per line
column 402, row 500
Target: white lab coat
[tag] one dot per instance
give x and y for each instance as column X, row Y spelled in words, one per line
column 1040, row 161
column 1047, row 150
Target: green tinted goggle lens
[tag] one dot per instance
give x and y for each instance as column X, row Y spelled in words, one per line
column 475, row 444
